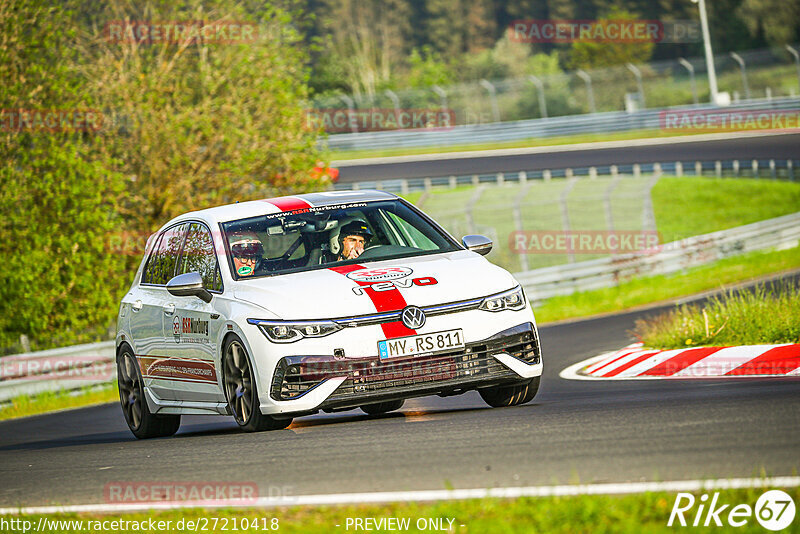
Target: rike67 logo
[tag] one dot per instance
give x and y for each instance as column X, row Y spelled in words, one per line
column 387, row 279
column 774, row 510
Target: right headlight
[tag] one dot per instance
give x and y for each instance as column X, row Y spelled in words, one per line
column 513, row 299
column 289, row 332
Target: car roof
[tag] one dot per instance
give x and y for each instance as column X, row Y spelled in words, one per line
column 254, row 208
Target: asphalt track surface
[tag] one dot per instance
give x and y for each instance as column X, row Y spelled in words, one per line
column 781, row 146
column 573, row 431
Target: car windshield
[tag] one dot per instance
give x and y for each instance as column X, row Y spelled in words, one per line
column 322, row 237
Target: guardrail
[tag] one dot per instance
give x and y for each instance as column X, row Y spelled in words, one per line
column 607, row 122
column 541, row 284
column 751, row 168
column 61, row 369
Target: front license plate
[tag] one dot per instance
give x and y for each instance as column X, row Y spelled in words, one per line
column 421, row 344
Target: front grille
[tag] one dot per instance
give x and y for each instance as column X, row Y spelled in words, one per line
column 295, row 375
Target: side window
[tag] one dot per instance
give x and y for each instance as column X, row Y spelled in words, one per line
column 198, row 256
column 163, row 261
column 412, row 236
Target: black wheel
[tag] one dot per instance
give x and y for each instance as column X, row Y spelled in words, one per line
column 498, row 397
column 241, row 391
column 142, row 423
column 382, row 407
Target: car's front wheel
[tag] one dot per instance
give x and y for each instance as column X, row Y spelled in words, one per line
column 141, row 421
column 241, row 391
column 382, row 407
column 498, row 397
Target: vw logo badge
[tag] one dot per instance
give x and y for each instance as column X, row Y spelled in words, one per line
column 413, row 317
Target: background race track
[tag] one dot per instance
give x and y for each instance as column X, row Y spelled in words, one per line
column 574, row 431
column 743, row 146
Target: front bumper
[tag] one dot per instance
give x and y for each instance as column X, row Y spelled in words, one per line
column 305, row 384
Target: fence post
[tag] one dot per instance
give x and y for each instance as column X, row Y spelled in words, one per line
column 698, row 168
column 501, row 179
column 565, row 214
column 772, row 172
column 790, row 169
column 476, row 195
column 593, row 173
column 475, row 180
column 404, row 187
column 648, row 214
column 738, row 59
column 568, row 173
column 755, row 168
column 718, row 168
column 678, row 169
column 614, row 171
column 736, row 168
column 688, row 66
column 607, row 202
column 523, row 177
column 452, row 182
column 637, row 170
column 547, row 175
column 523, row 255
column 486, row 84
column 428, row 184
column 583, row 75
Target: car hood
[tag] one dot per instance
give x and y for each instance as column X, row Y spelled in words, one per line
column 339, row 291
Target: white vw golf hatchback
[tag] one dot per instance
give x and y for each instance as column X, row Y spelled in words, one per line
column 274, row 309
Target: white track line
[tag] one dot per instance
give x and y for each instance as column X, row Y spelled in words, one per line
column 601, row 145
column 426, row 496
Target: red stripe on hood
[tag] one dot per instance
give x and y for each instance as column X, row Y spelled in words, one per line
column 384, row 301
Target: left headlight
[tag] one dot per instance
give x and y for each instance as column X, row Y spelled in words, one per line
column 513, row 299
column 289, row 332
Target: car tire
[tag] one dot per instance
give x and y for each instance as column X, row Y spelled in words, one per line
column 141, row 421
column 241, row 390
column 382, row 407
column 501, row 396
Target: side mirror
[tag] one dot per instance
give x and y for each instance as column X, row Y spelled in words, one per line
column 188, row 285
column 477, row 243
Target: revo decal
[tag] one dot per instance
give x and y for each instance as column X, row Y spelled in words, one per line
column 396, row 284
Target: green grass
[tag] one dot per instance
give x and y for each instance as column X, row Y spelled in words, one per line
column 692, row 206
column 769, row 314
column 23, row 406
column 639, row 513
column 683, row 207
column 647, row 290
column 522, row 143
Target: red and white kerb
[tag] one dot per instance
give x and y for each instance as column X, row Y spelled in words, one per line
column 748, row 360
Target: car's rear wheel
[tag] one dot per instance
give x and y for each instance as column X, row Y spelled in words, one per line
column 498, row 397
column 142, row 423
column 382, row 407
column 241, row 390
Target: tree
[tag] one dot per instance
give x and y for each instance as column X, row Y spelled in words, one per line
column 211, row 122
column 60, row 283
column 777, row 20
column 594, row 54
